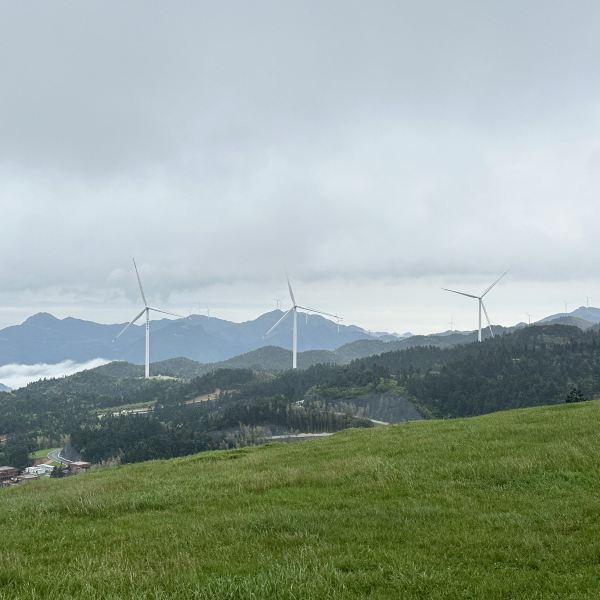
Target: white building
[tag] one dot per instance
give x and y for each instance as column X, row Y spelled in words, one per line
column 42, row 469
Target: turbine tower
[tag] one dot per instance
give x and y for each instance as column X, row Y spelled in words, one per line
column 481, row 304
column 294, row 311
column 146, row 310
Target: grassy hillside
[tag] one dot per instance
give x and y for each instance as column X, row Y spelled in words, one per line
column 500, row 506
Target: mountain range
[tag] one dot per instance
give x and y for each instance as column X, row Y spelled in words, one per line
column 43, row 338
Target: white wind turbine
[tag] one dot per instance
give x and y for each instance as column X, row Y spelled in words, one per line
column 146, row 310
column 294, row 310
column 481, row 304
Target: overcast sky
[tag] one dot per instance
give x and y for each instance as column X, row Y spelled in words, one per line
column 378, row 150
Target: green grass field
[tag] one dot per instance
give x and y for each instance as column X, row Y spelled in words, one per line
column 42, row 453
column 501, row 506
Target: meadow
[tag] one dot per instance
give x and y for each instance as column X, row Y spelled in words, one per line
column 505, row 505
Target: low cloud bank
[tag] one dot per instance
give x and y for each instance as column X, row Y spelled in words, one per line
column 15, row 376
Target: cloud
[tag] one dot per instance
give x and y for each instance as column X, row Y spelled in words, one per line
column 16, row 376
column 218, row 143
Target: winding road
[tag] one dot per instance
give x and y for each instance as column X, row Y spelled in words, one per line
column 55, row 455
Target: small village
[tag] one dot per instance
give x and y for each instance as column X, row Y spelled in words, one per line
column 10, row 476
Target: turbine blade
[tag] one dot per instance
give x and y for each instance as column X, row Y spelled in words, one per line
column 166, row 312
column 461, row 293
column 493, row 284
column 140, row 283
column 129, row 324
column 291, row 293
column 487, row 318
column 320, row 312
column 282, row 318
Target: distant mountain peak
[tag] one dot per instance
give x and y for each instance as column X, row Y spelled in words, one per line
column 41, row 318
column 583, row 317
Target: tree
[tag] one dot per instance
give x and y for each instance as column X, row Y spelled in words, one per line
column 16, row 452
column 575, row 395
column 59, row 471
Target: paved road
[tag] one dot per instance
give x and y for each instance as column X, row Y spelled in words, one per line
column 55, row 455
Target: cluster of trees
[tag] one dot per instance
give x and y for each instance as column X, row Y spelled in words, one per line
column 16, row 451
column 53, row 407
column 228, row 421
column 539, row 365
column 134, row 438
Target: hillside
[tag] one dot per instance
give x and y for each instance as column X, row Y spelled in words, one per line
column 276, row 358
column 589, row 314
column 568, row 320
column 532, row 366
column 490, row 507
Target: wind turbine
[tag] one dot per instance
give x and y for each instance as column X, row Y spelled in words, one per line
column 145, row 310
column 481, row 304
column 294, row 311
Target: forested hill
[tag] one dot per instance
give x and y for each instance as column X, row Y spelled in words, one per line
column 533, row 366
column 276, row 359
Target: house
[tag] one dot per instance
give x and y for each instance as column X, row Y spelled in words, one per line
column 79, row 466
column 41, row 469
column 7, row 473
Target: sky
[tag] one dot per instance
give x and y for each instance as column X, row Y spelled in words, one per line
column 376, row 151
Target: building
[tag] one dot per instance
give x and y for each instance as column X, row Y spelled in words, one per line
column 41, row 469
column 7, row 473
column 79, row 466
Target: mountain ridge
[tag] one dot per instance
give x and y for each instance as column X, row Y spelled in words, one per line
column 44, row 338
